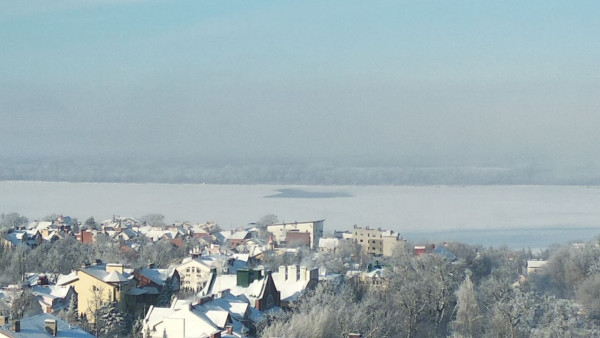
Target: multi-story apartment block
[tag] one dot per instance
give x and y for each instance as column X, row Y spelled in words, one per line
column 313, row 228
column 376, row 241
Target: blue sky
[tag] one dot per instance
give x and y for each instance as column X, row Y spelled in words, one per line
column 404, row 82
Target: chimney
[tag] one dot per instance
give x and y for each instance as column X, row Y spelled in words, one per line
column 205, row 299
column 303, row 273
column 229, row 329
column 243, row 277
column 98, row 262
column 51, row 326
column 151, row 266
column 42, row 279
column 292, row 273
column 114, row 267
column 17, row 326
column 282, row 272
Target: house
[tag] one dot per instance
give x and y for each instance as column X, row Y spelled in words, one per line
column 329, row 244
column 194, row 273
column 256, row 285
column 158, row 278
column 86, row 236
column 175, row 235
column 7, row 296
column 119, row 222
column 52, row 235
column 374, row 278
column 292, row 281
column 420, row 250
column 195, row 270
column 223, row 316
column 14, row 238
column 444, row 252
column 313, row 228
column 53, row 298
column 242, row 318
column 178, row 321
column 152, row 281
column 40, row 225
column 100, row 284
column 237, row 238
column 535, row 265
column 42, row 326
column 376, row 241
column 125, row 234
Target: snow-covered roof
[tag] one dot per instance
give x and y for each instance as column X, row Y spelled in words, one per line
column 147, row 290
column 241, row 257
column 67, row 279
column 239, row 235
column 115, row 277
column 173, row 322
column 290, row 288
column 34, row 327
column 51, row 291
column 535, row 264
column 39, row 225
column 329, row 243
column 99, row 272
column 229, row 282
column 228, row 306
column 158, row 276
column 445, row 252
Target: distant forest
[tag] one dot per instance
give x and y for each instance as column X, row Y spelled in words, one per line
column 255, row 172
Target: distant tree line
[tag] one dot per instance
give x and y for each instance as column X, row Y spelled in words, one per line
column 252, row 172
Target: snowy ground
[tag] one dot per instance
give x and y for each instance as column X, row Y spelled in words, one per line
column 518, row 216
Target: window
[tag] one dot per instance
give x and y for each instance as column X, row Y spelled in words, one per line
column 187, row 270
column 361, row 240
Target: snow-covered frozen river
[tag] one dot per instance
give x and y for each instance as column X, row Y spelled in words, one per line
column 518, row 216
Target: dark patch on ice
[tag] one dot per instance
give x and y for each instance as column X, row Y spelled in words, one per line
column 299, row 193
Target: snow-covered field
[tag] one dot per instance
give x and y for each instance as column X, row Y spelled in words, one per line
column 518, row 216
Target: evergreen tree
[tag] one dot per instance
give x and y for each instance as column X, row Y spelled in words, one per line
column 111, row 321
column 137, row 329
column 72, row 315
column 166, row 293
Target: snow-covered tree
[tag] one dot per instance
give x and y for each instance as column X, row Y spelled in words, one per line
column 469, row 322
column 111, row 321
column 72, row 313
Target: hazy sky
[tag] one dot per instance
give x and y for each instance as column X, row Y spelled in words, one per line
column 408, row 82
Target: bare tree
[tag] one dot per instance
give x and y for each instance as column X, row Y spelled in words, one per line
column 11, row 220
